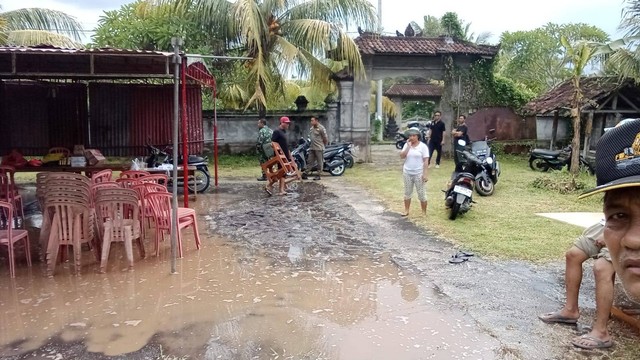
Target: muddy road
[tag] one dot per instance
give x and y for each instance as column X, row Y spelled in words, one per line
column 323, row 273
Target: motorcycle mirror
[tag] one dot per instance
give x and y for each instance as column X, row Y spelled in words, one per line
column 462, row 142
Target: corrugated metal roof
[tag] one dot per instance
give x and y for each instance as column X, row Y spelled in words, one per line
column 57, row 50
column 370, row 44
column 414, row 90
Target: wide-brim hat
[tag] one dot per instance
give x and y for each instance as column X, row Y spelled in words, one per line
column 617, row 159
column 412, row 131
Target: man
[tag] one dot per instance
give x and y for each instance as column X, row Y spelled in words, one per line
column 618, row 177
column 436, row 139
column 459, row 133
column 263, row 145
column 588, row 245
column 318, row 137
column 280, row 136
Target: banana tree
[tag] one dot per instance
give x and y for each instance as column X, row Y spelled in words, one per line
column 579, row 55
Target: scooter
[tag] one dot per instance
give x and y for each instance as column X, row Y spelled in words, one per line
column 201, row 174
column 543, row 160
column 347, row 155
column 334, row 162
column 489, row 169
column 401, row 139
column 459, row 197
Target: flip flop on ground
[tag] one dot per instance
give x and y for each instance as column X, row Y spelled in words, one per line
column 589, row 342
column 556, row 317
column 268, row 191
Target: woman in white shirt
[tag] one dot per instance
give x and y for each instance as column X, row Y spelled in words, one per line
column 415, row 170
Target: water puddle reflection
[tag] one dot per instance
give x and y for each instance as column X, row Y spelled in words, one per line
column 232, row 302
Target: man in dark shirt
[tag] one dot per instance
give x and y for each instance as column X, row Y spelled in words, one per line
column 460, row 133
column 280, row 136
column 436, row 139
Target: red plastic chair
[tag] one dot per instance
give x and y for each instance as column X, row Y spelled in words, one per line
column 102, row 176
column 161, row 206
column 9, row 193
column 10, row 237
column 160, row 179
column 133, row 174
column 127, row 183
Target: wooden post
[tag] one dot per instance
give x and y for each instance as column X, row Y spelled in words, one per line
column 554, row 130
column 587, row 134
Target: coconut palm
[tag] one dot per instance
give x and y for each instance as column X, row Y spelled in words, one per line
column 35, row 26
column 284, row 37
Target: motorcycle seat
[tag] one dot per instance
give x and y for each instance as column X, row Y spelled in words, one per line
column 543, row 152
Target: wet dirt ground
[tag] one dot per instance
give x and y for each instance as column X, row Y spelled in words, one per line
column 323, row 273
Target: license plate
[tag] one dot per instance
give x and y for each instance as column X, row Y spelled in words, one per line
column 462, row 190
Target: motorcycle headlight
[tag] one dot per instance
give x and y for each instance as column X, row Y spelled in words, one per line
column 489, row 161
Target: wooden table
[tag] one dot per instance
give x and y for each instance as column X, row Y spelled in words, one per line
column 87, row 170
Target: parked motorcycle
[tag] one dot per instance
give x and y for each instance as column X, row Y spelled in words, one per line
column 401, row 139
column 543, row 160
column 334, row 162
column 201, row 173
column 349, row 158
column 459, row 197
column 488, row 171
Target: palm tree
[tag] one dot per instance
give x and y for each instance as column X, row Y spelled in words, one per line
column 35, row 26
column 285, row 37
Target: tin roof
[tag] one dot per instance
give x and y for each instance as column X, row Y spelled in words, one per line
column 372, row 44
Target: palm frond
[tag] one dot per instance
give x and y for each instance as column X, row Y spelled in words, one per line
column 40, row 37
column 43, row 19
column 625, row 63
column 354, row 12
column 483, row 37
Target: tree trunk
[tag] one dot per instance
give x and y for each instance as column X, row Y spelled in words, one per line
column 575, row 117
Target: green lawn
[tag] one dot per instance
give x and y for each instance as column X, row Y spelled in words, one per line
column 503, row 225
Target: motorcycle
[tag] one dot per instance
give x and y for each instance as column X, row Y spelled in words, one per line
column 334, row 162
column 488, row 171
column 401, row 139
column 543, row 160
column 348, row 157
column 201, row 174
column 459, row 196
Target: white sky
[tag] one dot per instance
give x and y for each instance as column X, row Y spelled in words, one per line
column 494, row 16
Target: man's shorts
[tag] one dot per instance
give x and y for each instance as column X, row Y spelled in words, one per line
column 587, row 242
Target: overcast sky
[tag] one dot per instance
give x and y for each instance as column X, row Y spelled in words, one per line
column 494, row 16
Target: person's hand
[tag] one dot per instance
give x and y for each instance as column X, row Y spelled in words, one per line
column 442, row 143
column 424, row 178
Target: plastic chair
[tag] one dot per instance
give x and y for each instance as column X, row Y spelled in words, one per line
column 161, row 206
column 160, row 179
column 146, row 212
column 10, row 237
column 119, row 221
column 70, row 218
column 10, row 194
column 133, row 174
column 127, row 183
column 102, row 176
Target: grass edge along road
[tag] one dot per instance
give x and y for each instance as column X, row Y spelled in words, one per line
column 503, row 225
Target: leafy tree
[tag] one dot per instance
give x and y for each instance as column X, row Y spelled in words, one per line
column 146, row 26
column 450, row 24
column 432, row 26
column 537, row 59
column 420, row 108
column 625, row 61
column 281, row 37
column 35, row 26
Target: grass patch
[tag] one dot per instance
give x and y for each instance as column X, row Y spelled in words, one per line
column 503, row 225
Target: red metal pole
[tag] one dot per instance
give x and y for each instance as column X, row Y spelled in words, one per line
column 215, row 137
column 185, row 150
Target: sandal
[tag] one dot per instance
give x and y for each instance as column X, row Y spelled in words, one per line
column 589, row 342
column 268, row 191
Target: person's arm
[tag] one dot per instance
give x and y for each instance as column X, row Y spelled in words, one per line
column 325, row 137
column 444, row 128
column 405, row 151
column 425, row 165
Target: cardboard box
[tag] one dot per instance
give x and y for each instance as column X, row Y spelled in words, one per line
column 94, row 157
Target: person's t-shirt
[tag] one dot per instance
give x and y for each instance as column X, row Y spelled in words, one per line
column 465, row 136
column 414, row 163
column 280, row 136
column 437, row 129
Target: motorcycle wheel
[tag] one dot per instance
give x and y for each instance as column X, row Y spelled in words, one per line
column 538, row 165
column 337, row 171
column 202, row 181
column 485, row 187
column 453, row 213
column 399, row 145
column 348, row 161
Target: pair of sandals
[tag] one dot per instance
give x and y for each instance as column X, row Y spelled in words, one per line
column 270, row 192
column 460, row 257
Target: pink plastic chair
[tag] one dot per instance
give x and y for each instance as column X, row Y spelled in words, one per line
column 10, row 237
column 133, row 174
column 9, row 193
column 127, row 183
column 161, row 206
column 101, row 176
column 160, row 179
